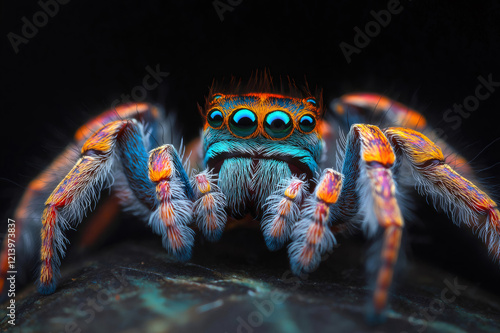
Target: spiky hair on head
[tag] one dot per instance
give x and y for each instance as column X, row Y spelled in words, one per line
column 262, row 82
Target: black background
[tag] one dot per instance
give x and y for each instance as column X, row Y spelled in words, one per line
column 89, row 53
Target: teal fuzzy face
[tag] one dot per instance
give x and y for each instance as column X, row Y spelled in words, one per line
column 254, row 140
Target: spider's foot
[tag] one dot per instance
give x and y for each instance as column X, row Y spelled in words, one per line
column 179, row 241
column 312, row 236
column 47, row 288
column 282, row 211
column 209, row 208
column 48, row 271
column 372, row 317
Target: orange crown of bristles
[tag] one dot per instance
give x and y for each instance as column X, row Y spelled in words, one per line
column 262, row 83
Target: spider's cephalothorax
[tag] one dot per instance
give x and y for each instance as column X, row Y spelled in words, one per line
column 262, row 154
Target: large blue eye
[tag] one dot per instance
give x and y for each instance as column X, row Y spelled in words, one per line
column 278, row 124
column 215, row 118
column 307, row 123
column 243, row 123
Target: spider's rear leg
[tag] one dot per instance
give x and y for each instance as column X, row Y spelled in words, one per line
column 312, row 236
column 209, row 208
column 361, row 106
column 282, row 210
column 453, row 193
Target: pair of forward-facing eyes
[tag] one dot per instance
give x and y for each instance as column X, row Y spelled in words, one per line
column 277, row 124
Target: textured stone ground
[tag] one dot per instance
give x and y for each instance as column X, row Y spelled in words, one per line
column 135, row 287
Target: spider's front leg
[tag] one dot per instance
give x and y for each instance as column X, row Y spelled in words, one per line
column 366, row 188
column 370, row 189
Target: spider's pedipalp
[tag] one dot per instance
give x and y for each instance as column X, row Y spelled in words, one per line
column 312, row 236
column 209, row 207
column 464, row 201
column 174, row 196
column 282, row 210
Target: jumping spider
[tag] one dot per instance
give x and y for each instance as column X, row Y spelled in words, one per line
column 262, row 152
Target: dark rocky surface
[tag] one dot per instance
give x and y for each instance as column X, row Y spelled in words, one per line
column 234, row 287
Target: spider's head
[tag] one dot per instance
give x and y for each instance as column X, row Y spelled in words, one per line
column 255, row 140
column 258, row 135
column 261, row 126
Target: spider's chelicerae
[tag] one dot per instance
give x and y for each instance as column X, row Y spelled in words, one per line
column 263, row 153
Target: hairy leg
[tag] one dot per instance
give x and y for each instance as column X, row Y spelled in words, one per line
column 282, row 211
column 368, row 194
column 375, row 189
column 464, row 201
column 174, row 203
column 27, row 217
column 312, row 236
column 122, row 140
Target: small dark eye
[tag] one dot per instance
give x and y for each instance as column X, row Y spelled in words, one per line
column 243, row 123
column 215, row 118
column 312, row 101
column 307, row 123
column 278, row 124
